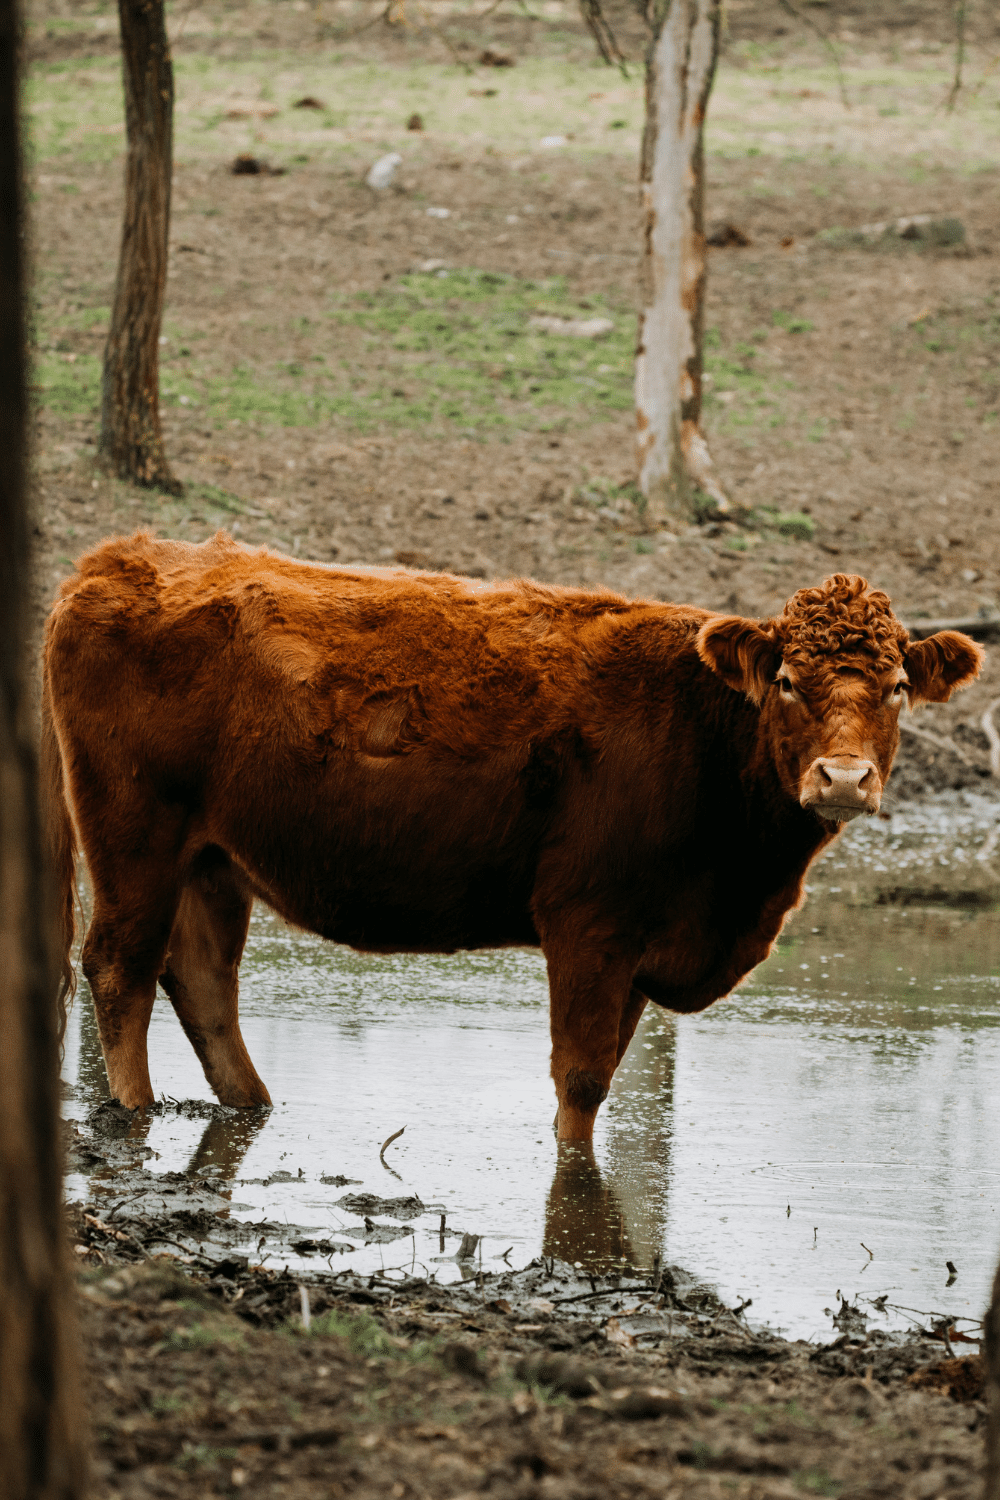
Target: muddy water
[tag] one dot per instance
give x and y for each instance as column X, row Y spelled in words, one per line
column 830, row 1128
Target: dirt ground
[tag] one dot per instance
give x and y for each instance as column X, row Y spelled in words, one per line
column 208, row 1383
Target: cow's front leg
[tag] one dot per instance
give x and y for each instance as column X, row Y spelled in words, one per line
column 593, row 1013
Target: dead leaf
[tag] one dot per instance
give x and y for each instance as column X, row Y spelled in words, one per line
column 616, row 1334
column 726, row 234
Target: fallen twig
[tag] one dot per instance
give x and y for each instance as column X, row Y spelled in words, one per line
column 388, row 1142
column 615, row 1291
column 943, row 742
column 978, row 628
column 318, row 1437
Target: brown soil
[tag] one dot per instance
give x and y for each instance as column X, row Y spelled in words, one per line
column 208, row 1374
column 200, row 1387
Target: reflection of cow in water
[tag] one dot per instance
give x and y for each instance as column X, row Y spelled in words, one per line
column 424, row 763
column 584, row 1218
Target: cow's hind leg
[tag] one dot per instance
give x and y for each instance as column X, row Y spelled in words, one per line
column 201, row 976
column 122, row 955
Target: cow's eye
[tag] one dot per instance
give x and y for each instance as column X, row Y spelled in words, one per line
column 897, row 694
column 787, row 689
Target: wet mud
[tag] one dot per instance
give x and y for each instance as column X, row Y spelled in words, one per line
column 214, row 1374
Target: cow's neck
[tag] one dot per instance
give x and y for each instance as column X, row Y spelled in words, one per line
column 780, row 836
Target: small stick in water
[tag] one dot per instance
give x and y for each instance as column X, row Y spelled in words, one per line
column 388, row 1142
column 304, row 1302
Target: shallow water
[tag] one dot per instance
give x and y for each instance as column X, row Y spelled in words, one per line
column 829, row 1128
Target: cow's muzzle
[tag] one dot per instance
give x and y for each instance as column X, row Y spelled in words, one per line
column 840, row 787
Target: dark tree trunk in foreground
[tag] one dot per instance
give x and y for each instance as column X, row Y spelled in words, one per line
column 991, row 1350
column 41, row 1447
column 674, row 461
column 131, row 438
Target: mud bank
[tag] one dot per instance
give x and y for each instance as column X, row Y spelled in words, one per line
column 211, row 1373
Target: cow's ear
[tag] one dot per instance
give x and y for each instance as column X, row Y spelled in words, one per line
column 940, row 664
column 739, row 652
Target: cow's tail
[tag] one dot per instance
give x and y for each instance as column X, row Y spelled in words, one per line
column 61, row 838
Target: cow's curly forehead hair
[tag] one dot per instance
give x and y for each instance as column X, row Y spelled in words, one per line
column 842, row 616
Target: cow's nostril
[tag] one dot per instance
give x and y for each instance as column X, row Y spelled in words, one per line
column 864, row 784
column 826, row 779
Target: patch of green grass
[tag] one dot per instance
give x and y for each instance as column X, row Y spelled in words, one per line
column 458, row 351
column 168, row 1405
column 207, row 1335
column 212, row 495
column 71, row 390
column 461, row 348
column 788, row 523
column 204, row 1456
column 366, row 1336
column 818, row 1482
column 87, row 317
column 790, row 323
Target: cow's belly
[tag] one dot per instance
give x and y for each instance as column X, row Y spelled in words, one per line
column 387, row 860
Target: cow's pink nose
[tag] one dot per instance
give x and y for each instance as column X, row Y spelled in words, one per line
column 839, row 787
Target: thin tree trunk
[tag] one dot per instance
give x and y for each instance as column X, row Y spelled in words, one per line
column 674, row 461
column 41, row 1446
column 131, row 438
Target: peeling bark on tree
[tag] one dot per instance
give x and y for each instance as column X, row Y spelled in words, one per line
column 131, row 437
column 42, row 1454
column 674, row 461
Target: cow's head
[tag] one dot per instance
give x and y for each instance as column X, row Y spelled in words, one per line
column 830, row 676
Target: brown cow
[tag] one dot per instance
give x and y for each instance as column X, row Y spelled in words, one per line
column 422, row 763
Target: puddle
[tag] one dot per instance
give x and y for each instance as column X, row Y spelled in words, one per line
column 828, row 1130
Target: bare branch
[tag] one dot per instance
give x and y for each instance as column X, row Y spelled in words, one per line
column 600, row 29
column 827, row 43
column 940, row 741
column 956, row 86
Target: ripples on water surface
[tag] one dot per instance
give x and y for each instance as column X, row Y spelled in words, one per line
column 846, row 1097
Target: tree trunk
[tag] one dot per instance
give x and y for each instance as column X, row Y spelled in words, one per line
column 991, row 1351
column 674, row 462
column 41, row 1445
column 131, row 438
